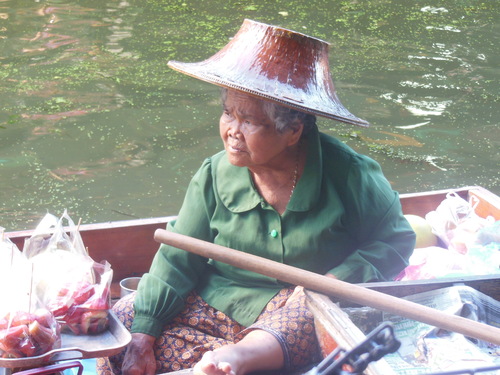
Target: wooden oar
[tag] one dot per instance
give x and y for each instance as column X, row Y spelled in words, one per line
column 331, row 287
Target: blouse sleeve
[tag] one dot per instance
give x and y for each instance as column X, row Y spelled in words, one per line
column 375, row 220
column 174, row 272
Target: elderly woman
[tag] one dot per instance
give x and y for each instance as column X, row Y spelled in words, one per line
column 281, row 190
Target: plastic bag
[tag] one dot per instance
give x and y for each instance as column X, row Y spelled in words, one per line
column 75, row 287
column 27, row 327
column 455, row 222
column 490, row 233
column 433, row 263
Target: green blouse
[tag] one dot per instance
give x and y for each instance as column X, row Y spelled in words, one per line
column 343, row 218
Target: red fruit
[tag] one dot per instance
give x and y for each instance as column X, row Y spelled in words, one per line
column 92, row 321
column 99, row 325
column 43, row 337
column 14, row 341
column 4, row 322
column 21, row 318
column 82, row 291
column 101, row 303
column 72, row 320
column 27, row 348
column 12, row 353
column 70, row 295
column 3, row 349
column 11, row 337
column 64, row 291
column 41, row 334
column 44, row 317
column 59, row 305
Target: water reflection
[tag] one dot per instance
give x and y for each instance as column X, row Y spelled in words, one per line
column 92, row 119
column 121, row 27
column 54, row 29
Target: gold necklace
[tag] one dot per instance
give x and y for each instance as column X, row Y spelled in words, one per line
column 295, row 172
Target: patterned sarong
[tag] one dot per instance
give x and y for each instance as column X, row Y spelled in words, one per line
column 200, row 328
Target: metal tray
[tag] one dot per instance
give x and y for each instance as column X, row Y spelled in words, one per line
column 105, row 344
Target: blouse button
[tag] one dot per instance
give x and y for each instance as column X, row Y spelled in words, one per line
column 274, row 233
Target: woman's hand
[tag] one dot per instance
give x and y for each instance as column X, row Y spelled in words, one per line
column 140, row 358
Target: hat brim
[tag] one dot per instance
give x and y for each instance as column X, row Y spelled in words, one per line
column 334, row 112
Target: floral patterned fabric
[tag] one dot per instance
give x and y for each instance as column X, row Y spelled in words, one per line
column 200, row 328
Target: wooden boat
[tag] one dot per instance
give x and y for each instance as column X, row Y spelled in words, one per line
column 129, row 246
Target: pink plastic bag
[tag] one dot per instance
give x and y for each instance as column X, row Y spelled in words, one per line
column 432, row 263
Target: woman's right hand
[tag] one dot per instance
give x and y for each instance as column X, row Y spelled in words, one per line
column 140, row 358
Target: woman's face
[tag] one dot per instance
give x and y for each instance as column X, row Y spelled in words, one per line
column 250, row 137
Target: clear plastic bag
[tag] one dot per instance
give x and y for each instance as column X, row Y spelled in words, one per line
column 455, row 222
column 27, row 327
column 75, row 287
column 470, row 241
column 81, row 307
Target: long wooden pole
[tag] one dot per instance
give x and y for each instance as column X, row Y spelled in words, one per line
column 331, row 287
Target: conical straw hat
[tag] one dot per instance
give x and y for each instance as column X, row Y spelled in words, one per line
column 275, row 64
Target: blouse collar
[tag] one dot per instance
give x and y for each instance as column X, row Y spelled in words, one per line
column 238, row 193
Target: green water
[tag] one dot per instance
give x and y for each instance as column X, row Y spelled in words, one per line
column 93, row 120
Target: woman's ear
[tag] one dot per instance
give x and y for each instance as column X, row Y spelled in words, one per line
column 295, row 133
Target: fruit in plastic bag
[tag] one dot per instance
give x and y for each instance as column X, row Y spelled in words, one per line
column 23, row 333
column 74, row 287
column 26, row 335
column 82, row 307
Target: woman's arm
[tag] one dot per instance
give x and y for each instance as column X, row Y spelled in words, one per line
column 374, row 218
column 174, row 272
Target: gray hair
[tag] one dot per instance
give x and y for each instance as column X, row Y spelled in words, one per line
column 283, row 117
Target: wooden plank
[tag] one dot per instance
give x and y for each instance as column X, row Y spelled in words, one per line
column 488, row 203
column 335, row 329
column 486, row 284
column 422, row 203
